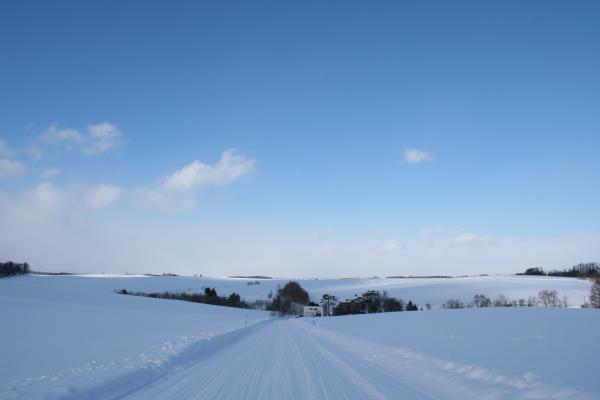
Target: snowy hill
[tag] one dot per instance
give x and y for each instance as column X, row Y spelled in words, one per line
column 421, row 290
column 63, row 331
column 72, row 337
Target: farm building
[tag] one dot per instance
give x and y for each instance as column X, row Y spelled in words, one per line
column 313, row 311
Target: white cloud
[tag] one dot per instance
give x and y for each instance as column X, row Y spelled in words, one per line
column 98, row 139
column 46, row 196
column 165, row 200
column 416, row 156
column 472, row 238
column 230, row 167
column 11, row 168
column 177, row 191
column 102, row 195
column 68, row 138
column 40, row 224
column 36, row 151
column 50, row 173
column 390, row 245
column 48, row 200
column 432, row 230
column 101, row 138
column 43, row 200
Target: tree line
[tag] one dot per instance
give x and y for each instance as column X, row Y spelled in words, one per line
column 582, row 270
column 372, row 301
column 545, row 298
column 291, row 299
column 11, row 268
column 209, row 296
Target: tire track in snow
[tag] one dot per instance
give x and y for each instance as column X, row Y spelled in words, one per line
column 292, row 359
column 280, row 360
column 277, row 361
column 440, row 379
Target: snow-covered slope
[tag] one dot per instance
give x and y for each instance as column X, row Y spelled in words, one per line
column 71, row 337
column 421, row 290
column 468, row 354
column 63, row 331
column 501, row 353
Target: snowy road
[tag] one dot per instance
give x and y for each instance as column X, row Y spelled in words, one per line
column 294, row 359
column 281, row 360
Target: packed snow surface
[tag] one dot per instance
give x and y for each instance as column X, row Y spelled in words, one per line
column 71, row 337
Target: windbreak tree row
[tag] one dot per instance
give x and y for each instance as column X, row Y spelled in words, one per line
column 373, row 301
column 583, row 270
column 209, row 296
column 11, row 268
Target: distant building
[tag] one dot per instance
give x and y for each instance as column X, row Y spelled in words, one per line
column 313, row 311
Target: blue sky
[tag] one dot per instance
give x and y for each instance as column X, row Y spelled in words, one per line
column 300, row 138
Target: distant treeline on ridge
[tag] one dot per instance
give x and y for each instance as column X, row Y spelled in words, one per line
column 583, row 270
column 11, row 268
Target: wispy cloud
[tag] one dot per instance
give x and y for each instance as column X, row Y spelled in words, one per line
column 176, row 191
column 50, row 173
column 101, row 138
column 5, row 150
column 391, row 245
column 97, row 139
column 197, row 174
column 47, row 199
column 44, row 199
column 102, row 195
column 11, row 168
column 442, row 235
column 471, row 238
column 417, row 156
column 66, row 137
column 432, row 230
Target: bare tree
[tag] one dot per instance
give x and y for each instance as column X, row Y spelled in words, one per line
column 328, row 302
column 454, row 304
column 480, row 300
column 501, row 301
column 549, row 298
column 595, row 294
column 532, row 301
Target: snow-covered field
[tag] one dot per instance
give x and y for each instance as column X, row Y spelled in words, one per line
column 71, row 337
column 420, row 290
column 62, row 331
